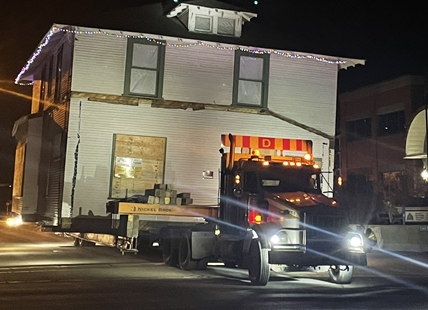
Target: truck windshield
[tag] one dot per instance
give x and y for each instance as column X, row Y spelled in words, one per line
column 278, row 179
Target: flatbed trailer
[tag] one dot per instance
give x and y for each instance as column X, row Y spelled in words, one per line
column 130, row 224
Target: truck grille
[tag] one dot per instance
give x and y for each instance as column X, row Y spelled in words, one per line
column 321, row 226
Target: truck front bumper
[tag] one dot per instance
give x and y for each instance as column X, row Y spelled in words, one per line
column 316, row 258
column 290, row 247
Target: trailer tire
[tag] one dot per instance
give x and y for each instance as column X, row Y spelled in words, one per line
column 185, row 260
column 76, row 242
column 341, row 274
column 169, row 248
column 258, row 264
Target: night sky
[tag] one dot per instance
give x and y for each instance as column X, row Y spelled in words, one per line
column 390, row 36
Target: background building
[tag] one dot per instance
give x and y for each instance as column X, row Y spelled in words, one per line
column 373, row 126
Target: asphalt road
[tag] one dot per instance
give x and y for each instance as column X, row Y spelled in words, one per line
column 45, row 271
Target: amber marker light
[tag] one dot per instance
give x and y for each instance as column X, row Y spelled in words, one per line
column 237, row 179
column 307, row 156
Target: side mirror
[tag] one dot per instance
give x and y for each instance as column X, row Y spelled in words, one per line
column 370, row 238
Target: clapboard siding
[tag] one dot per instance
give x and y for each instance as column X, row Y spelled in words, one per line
column 199, row 74
column 99, row 64
column 193, row 141
column 304, row 90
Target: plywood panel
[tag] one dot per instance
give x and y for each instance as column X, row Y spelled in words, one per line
column 138, row 164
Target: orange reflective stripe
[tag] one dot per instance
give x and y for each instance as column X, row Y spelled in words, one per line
column 254, row 142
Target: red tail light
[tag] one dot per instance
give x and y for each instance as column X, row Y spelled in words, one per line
column 254, row 217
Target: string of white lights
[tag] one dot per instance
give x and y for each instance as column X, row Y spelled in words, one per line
column 259, row 51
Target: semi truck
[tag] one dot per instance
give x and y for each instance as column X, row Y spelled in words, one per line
column 271, row 213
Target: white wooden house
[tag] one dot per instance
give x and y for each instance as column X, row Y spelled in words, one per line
column 115, row 111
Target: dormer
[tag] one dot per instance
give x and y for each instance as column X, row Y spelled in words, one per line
column 211, row 18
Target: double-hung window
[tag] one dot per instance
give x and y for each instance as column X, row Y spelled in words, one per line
column 144, row 68
column 251, row 79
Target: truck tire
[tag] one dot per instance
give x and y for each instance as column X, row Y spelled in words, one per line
column 258, row 264
column 341, row 274
column 85, row 243
column 169, row 248
column 185, row 260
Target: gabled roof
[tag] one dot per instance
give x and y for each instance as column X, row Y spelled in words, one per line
column 151, row 19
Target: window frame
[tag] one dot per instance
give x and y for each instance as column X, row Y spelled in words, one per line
column 160, row 68
column 42, row 95
column 210, row 18
column 224, row 33
column 50, row 75
column 58, row 76
column 264, row 80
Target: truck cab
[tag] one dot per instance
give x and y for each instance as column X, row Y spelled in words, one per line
column 272, row 212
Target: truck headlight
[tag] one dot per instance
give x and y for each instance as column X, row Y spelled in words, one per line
column 275, row 239
column 280, row 238
column 355, row 240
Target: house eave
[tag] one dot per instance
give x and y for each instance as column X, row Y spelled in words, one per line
column 26, row 75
